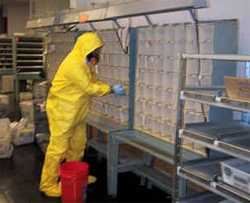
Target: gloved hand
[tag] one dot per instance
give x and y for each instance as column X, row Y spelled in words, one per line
column 118, row 89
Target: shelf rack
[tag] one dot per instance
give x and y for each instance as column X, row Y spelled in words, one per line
column 29, row 61
column 112, row 13
column 5, row 53
column 29, row 54
column 230, row 139
column 24, row 57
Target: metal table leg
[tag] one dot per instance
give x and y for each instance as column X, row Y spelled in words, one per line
column 112, row 160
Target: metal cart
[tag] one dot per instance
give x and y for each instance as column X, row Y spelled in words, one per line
column 229, row 138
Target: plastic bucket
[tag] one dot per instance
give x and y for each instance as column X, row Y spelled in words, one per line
column 74, row 180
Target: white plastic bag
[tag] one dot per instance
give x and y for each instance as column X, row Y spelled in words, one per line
column 22, row 132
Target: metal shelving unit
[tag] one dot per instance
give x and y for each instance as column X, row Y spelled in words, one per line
column 204, row 197
column 6, row 64
column 152, row 147
column 5, row 53
column 24, row 57
column 29, row 54
column 230, row 139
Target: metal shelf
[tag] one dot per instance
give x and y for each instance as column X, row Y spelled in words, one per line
column 7, row 71
column 30, row 43
column 5, row 61
column 29, row 55
column 210, row 98
column 136, row 8
column 220, row 57
column 5, row 64
column 5, row 40
column 29, row 67
column 6, row 54
column 28, row 38
column 29, row 76
column 7, row 57
column 29, row 61
column 229, row 138
column 205, row 198
column 206, row 174
column 158, row 148
column 156, row 177
column 126, row 164
column 98, row 146
column 103, row 124
column 5, row 49
column 30, row 49
column 5, row 44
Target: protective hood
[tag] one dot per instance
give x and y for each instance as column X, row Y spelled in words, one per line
column 87, row 43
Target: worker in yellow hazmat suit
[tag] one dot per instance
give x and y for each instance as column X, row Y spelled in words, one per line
column 67, row 106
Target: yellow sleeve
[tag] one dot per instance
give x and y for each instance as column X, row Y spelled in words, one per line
column 80, row 78
column 98, row 89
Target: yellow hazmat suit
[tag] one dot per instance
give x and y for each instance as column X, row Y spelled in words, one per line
column 67, row 106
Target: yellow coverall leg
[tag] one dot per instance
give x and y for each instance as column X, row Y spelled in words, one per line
column 77, row 143
column 57, row 148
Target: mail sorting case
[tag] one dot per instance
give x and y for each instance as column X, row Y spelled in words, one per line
column 156, row 83
column 113, row 69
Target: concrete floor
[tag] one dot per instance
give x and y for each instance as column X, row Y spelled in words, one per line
column 19, row 180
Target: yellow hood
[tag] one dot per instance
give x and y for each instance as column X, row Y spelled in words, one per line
column 87, row 43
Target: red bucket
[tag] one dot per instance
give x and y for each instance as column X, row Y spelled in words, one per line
column 74, row 180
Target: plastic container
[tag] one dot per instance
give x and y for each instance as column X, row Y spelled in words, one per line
column 236, row 173
column 74, row 179
column 24, row 136
column 8, row 153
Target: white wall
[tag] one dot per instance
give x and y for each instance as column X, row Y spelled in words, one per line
column 239, row 9
column 18, row 15
column 220, row 9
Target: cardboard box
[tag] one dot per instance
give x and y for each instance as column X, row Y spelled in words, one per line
column 8, row 153
column 5, row 129
column 6, row 99
column 22, row 132
column 5, row 144
column 238, row 88
column 41, row 90
column 24, row 96
column 7, row 84
column 5, row 138
column 27, row 110
column 25, row 136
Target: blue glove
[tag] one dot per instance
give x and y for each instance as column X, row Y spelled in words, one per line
column 118, row 89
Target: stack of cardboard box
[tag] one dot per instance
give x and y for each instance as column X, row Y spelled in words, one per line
column 22, row 132
column 7, row 84
column 40, row 119
column 6, row 95
column 6, row 148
